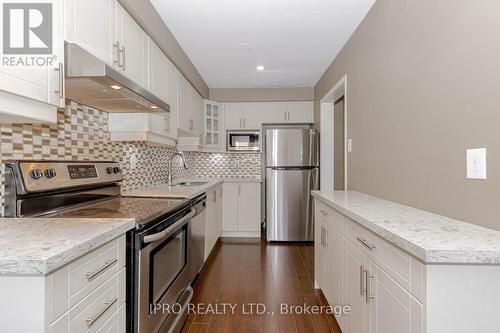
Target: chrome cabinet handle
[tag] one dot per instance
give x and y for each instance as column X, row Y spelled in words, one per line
column 107, row 305
column 220, row 192
column 365, row 243
column 124, row 61
column 239, row 189
column 116, row 53
column 244, row 122
column 107, row 264
column 215, row 196
column 60, row 90
column 322, row 236
column 326, row 237
column 368, row 278
column 324, row 212
column 284, row 116
column 362, row 289
column 167, row 232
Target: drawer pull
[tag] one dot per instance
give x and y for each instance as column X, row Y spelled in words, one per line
column 107, row 264
column 362, row 289
column 365, row 243
column 107, row 305
column 324, row 212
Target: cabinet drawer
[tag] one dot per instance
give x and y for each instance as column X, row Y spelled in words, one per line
column 394, row 261
column 331, row 215
column 91, row 270
column 115, row 324
column 99, row 307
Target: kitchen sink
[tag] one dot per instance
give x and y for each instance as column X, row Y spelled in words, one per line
column 181, row 184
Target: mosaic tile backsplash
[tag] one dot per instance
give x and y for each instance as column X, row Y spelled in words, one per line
column 81, row 133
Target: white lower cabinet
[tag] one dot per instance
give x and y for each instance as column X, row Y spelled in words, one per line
column 348, row 260
column 213, row 225
column 241, row 209
column 86, row 295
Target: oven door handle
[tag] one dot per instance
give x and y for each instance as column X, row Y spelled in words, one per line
column 170, row 230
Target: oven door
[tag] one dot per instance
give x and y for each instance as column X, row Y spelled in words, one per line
column 164, row 275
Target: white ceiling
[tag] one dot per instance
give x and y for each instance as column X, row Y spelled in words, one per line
column 295, row 40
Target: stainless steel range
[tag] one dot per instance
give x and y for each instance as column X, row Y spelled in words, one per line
column 159, row 269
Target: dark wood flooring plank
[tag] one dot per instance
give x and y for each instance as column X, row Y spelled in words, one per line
column 243, row 271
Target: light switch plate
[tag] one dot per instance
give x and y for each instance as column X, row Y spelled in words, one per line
column 349, row 145
column 476, row 163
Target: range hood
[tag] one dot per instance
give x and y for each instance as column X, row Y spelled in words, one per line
column 90, row 81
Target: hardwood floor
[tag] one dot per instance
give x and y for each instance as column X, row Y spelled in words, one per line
column 244, row 271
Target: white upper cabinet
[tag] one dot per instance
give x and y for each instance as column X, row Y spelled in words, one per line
column 252, row 115
column 33, row 93
column 92, row 25
column 170, row 85
column 233, row 115
column 156, row 70
column 190, row 108
column 300, row 112
column 132, row 47
column 214, row 128
column 274, row 113
column 243, row 115
column 287, row 112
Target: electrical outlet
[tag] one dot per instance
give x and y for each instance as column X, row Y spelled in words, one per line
column 476, row 163
column 349, row 145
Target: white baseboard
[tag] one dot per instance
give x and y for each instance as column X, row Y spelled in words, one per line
column 255, row 234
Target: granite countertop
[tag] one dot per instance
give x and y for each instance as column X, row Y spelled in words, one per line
column 38, row 246
column 432, row 238
column 185, row 192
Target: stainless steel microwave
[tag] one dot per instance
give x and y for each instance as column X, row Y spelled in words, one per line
column 243, row 140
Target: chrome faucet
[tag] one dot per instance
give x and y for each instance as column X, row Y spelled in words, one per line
column 184, row 164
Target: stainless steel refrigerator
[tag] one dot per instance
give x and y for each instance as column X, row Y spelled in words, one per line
column 291, row 172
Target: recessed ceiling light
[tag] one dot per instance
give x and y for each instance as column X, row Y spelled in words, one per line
column 153, row 107
column 115, row 87
column 260, row 68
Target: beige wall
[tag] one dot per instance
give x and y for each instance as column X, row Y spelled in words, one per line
column 261, row 94
column 149, row 19
column 423, row 85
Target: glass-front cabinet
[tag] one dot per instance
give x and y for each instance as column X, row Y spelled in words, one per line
column 214, row 129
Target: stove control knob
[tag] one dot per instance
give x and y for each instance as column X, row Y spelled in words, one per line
column 36, row 174
column 116, row 170
column 109, row 170
column 50, row 173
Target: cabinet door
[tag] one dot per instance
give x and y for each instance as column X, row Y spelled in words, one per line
column 171, row 85
column 184, row 113
column 274, row 113
column 299, row 112
column 213, row 124
column 196, row 106
column 220, row 211
column 230, row 207
column 334, row 246
column 211, row 221
column 156, row 70
column 133, row 47
column 354, row 289
column 234, row 115
column 93, row 27
column 393, row 309
column 252, row 116
column 249, row 207
column 319, row 252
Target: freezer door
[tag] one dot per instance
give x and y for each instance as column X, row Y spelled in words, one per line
column 289, row 204
column 291, row 147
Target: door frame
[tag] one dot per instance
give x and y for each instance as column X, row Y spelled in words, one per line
column 327, row 127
